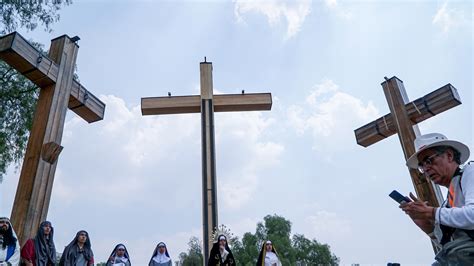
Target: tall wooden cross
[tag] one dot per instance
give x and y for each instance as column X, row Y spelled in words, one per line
column 403, row 119
column 58, row 92
column 207, row 103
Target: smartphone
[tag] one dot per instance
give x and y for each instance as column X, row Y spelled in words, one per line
column 399, row 197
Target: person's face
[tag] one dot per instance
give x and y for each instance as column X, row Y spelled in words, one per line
column 4, row 225
column 120, row 252
column 82, row 238
column 222, row 242
column 47, row 229
column 162, row 249
column 435, row 165
column 268, row 247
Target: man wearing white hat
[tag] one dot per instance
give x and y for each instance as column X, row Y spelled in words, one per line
column 451, row 226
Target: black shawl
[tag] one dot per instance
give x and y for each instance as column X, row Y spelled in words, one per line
column 215, row 256
column 72, row 250
column 114, row 254
column 44, row 248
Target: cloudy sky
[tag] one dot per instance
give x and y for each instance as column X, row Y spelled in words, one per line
column 137, row 180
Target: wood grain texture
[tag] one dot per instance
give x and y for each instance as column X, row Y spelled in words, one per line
column 36, row 179
column 192, row 104
column 43, row 71
column 397, row 98
column 418, row 110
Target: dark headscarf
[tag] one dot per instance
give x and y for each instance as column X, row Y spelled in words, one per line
column 263, row 251
column 44, row 248
column 114, row 252
column 72, row 250
column 9, row 237
column 215, row 254
column 157, row 249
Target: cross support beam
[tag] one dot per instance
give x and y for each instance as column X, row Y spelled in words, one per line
column 43, row 72
column 54, row 75
column 418, row 110
column 192, row 104
column 403, row 119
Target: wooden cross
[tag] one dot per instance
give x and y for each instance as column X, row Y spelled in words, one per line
column 403, row 119
column 207, row 103
column 58, row 92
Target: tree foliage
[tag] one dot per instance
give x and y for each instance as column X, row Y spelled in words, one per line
column 18, row 95
column 294, row 250
column 194, row 255
column 20, row 13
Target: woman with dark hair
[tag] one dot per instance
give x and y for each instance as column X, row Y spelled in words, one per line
column 119, row 256
column 220, row 253
column 78, row 252
column 160, row 256
column 9, row 246
column 268, row 255
column 40, row 251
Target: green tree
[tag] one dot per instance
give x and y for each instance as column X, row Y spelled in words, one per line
column 17, row 94
column 194, row 255
column 296, row 250
column 278, row 230
column 246, row 252
column 17, row 103
column 311, row 252
column 18, row 14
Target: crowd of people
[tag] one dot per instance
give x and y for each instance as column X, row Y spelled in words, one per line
column 41, row 251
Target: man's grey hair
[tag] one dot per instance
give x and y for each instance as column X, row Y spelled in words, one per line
column 456, row 153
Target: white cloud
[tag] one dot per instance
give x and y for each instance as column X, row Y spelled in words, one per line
column 250, row 158
column 340, row 11
column 328, row 226
column 448, row 18
column 242, row 226
column 330, row 116
column 294, row 12
column 140, row 144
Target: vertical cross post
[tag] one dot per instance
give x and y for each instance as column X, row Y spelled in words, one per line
column 402, row 120
column 58, row 92
column 209, row 185
column 207, row 103
column 397, row 98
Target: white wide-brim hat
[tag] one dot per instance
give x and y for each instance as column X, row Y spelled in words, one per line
column 431, row 140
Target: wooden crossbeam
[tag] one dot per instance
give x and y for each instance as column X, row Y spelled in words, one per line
column 418, row 110
column 42, row 71
column 403, row 119
column 54, row 75
column 85, row 104
column 192, row 104
column 207, row 103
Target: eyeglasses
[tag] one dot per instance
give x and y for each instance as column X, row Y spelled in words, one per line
column 120, row 249
column 428, row 161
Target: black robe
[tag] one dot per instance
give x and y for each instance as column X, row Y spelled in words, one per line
column 216, row 259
